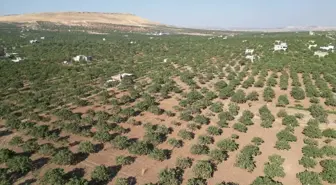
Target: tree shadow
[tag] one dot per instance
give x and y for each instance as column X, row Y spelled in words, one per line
column 113, row 170
column 131, row 181
column 28, row 182
column 79, row 157
column 98, row 147
column 5, row 133
column 39, row 163
column 77, row 172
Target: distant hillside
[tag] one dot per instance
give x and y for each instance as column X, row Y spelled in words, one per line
column 80, row 19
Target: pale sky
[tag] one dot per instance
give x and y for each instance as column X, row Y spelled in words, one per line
column 196, row 13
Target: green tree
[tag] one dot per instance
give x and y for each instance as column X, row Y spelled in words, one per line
column 308, row 178
column 20, row 164
column 63, row 157
column 100, row 174
column 86, row 147
column 53, row 177
column 171, row 176
column 184, row 162
column 203, row 169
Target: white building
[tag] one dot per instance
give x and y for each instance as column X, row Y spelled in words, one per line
column 321, row 54
column 250, row 57
column 17, row 59
column 42, row 38
column 33, row 41
column 327, row 48
column 282, row 46
column 312, row 45
column 104, row 39
column 249, row 51
column 311, row 33
column 119, row 77
column 79, row 58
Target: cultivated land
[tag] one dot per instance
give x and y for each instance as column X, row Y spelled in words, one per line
column 195, row 112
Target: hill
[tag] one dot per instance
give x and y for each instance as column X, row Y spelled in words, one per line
column 80, row 19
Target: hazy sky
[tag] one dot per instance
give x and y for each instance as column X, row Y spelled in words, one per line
column 196, row 13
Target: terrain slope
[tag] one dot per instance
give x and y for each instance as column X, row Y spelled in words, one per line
column 80, row 18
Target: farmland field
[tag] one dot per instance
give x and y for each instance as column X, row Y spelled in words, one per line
column 194, row 111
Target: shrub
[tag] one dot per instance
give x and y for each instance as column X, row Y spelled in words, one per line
column 159, row 154
column 245, row 159
column 318, row 112
column 193, row 126
column 299, row 115
column 227, row 145
column 282, row 145
column 186, row 116
column 309, row 178
column 234, row 109
column 218, row 156
column 226, row 92
column 19, row 164
column 223, row 123
column 100, row 174
column 63, row 157
column 154, row 137
column 140, row 148
column 328, row 150
column 309, row 141
column 53, row 176
column 171, row 176
column 175, row 143
column 274, row 168
column 290, row 120
column 253, row 96
column 282, row 113
column 5, row 155
column 198, row 149
column 30, row 145
column 196, row 181
column 203, row 169
column 121, row 181
column 282, row 101
column 77, row 181
column 240, row 127
column 120, row 142
column 312, row 131
column 330, row 133
column 102, row 136
column 311, row 151
column 226, row 116
column 201, row 119
column 205, row 139
column 265, row 181
column 257, row 141
column 186, row 135
column 314, row 100
column 285, row 135
column 16, row 141
column 298, row 93
column 47, row 149
column 246, row 118
column 86, row 147
column 220, row 85
column 307, row 162
column 124, row 160
column 329, row 170
column 213, row 130
column 184, row 163
column 216, row 107
column 268, row 94
column 239, row 96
